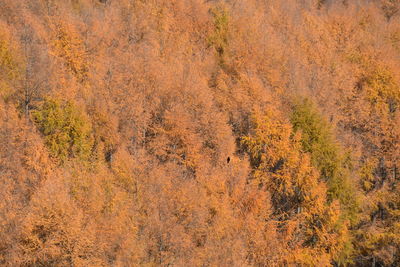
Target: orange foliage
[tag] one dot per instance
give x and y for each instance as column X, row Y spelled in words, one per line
column 183, row 111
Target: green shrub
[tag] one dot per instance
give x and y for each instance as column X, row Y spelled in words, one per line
column 67, row 133
column 317, row 139
column 219, row 38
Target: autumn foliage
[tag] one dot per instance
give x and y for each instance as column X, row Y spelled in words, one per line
column 199, row 133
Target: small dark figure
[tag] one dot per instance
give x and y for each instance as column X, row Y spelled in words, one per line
column 228, row 160
column 109, row 156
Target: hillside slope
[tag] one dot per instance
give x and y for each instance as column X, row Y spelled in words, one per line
column 199, row 133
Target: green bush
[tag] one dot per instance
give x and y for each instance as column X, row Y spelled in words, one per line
column 317, row 139
column 67, row 133
column 220, row 36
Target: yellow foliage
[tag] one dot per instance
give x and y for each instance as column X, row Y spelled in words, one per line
column 298, row 195
column 69, row 46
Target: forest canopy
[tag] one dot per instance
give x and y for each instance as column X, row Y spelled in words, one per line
column 199, row 133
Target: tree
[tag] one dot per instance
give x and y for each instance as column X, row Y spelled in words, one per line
column 310, row 224
column 317, row 139
column 66, row 131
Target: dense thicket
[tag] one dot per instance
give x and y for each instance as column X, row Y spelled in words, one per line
column 199, row 133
